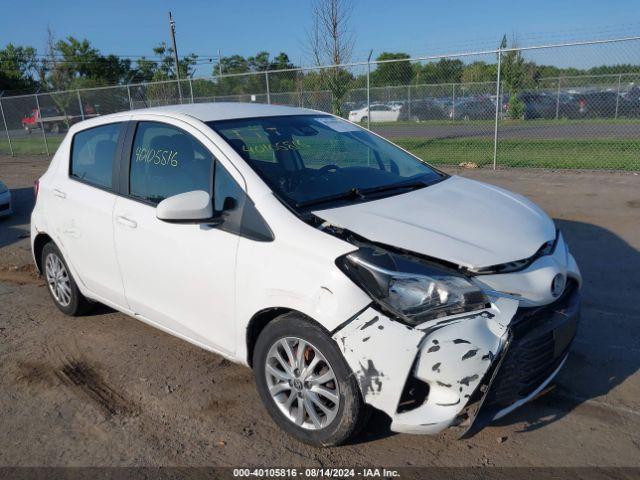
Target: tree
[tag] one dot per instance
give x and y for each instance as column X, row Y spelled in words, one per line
column 479, row 72
column 18, row 67
column 331, row 42
column 443, row 71
column 73, row 63
column 392, row 73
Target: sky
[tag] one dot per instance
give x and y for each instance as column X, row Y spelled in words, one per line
column 133, row 28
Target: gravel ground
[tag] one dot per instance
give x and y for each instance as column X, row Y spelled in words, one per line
column 108, row 390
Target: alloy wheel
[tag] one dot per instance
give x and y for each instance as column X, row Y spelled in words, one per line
column 58, row 279
column 302, row 383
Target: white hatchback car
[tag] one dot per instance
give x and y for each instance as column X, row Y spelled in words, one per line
column 346, row 272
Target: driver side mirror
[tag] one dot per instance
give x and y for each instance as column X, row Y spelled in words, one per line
column 188, row 207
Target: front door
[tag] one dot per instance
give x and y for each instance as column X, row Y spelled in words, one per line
column 180, row 277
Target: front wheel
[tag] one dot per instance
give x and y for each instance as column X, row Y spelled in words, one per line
column 305, row 383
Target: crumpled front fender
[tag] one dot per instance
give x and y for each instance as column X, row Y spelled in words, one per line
column 451, row 355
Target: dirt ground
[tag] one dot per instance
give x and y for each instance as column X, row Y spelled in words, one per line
column 108, row 390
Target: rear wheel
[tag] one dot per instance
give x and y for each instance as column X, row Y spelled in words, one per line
column 61, row 285
column 305, row 383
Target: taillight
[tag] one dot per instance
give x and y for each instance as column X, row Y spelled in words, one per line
column 36, row 189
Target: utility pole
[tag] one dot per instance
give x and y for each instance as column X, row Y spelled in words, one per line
column 172, row 31
column 219, row 63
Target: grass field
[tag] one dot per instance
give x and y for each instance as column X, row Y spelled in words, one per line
column 31, row 145
column 508, row 121
column 557, row 153
column 553, row 153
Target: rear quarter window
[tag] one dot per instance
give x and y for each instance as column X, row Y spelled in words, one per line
column 92, row 154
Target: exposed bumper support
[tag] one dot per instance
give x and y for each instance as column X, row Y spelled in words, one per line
column 469, row 362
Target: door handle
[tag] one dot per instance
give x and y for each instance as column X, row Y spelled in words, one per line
column 59, row 193
column 127, row 222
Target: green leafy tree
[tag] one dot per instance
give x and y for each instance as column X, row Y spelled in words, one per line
column 479, row 72
column 74, row 63
column 392, row 73
column 443, row 71
column 18, row 68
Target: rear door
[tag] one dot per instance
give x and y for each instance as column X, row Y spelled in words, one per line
column 82, row 202
column 180, row 277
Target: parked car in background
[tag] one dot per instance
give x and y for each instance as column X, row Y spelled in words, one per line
column 422, row 110
column 50, row 119
column 474, row 108
column 5, row 200
column 545, row 106
column 346, row 272
column 597, row 104
column 629, row 103
column 380, row 112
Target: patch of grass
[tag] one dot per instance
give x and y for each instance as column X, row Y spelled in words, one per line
column 508, row 121
column 31, row 145
column 556, row 153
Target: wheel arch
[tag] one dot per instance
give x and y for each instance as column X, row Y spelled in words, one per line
column 262, row 318
column 38, row 244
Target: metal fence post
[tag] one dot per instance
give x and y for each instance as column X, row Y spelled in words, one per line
column 453, row 102
column 369, row 91
column 80, row 104
column 129, row 95
column 409, row 101
column 44, row 134
column 6, row 129
column 618, row 95
column 191, row 89
column 266, row 77
column 558, row 99
column 495, row 129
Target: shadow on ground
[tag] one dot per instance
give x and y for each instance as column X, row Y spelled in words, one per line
column 15, row 227
column 606, row 350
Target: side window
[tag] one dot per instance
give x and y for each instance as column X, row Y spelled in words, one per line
column 92, row 154
column 166, row 161
column 224, row 186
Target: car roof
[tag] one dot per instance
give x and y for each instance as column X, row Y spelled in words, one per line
column 208, row 112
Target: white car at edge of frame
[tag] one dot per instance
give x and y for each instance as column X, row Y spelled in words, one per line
column 5, row 201
column 346, row 272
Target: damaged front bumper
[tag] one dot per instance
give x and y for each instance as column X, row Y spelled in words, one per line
column 462, row 370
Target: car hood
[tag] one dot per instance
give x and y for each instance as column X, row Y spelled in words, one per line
column 457, row 220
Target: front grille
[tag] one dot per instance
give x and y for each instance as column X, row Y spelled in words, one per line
column 533, row 354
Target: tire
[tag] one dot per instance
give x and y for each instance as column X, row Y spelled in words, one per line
column 337, row 421
column 364, row 119
column 69, row 300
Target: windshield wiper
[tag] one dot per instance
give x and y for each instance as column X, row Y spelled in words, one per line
column 393, row 186
column 353, row 193
column 361, row 193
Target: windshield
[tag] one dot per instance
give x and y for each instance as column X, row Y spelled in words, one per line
column 319, row 159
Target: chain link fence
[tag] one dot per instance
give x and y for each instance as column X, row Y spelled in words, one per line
column 556, row 106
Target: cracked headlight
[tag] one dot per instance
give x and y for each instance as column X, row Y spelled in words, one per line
column 412, row 289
